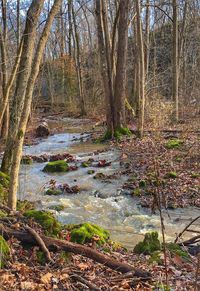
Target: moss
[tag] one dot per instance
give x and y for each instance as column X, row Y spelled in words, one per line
column 46, row 219
column 4, row 251
column 53, row 192
column 58, row 207
column 3, row 213
column 107, row 136
column 4, row 180
column 195, row 175
column 40, row 257
column 85, row 164
column 66, row 257
column 149, row 245
column 87, row 231
column 172, row 175
column 177, row 250
column 155, row 258
column 90, row 172
column 56, row 166
column 122, row 131
column 161, row 287
column 3, row 194
column 136, row 192
column 142, row 183
column 24, row 205
column 174, row 143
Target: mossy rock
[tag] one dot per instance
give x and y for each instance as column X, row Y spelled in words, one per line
column 171, row 175
column 46, row 219
column 99, row 176
column 4, row 179
column 149, row 245
column 122, row 131
column 177, row 250
column 174, row 143
column 85, row 232
column 26, row 160
column 24, row 205
column 56, row 166
column 58, row 207
column 4, row 251
column 90, row 172
column 53, row 192
column 85, row 164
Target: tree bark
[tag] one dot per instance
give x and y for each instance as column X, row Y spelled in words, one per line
column 17, row 154
column 175, row 59
column 141, row 63
column 120, row 80
column 21, row 82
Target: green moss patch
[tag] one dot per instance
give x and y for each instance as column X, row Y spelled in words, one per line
column 58, row 207
column 171, row 175
column 122, row 131
column 56, row 166
column 149, row 245
column 4, row 251
column 4, row 180
column 137, row 192
column 85, row 232
column 46, row 219
column 177, row 250
column 53, row 192
column 24, row 205
column 174, row 143
column 90, row 172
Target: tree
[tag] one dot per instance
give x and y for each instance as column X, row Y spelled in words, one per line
column 17, row 151
column 141, row 64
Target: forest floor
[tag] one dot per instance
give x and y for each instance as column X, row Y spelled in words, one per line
column 164, row 163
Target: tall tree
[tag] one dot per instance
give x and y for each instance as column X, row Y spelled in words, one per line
column 29, row 37
column 17, row 151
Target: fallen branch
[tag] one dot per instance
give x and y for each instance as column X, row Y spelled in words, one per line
column 53, row 243
column 191, row 241
column 187, row 226
column 85, row 282
column 40, row 243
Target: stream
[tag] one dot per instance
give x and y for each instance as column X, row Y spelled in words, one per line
column 98, row 201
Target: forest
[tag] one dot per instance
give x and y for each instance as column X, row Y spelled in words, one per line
column 100, row 145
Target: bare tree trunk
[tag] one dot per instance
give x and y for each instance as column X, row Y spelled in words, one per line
column 70, row 26
column 141, row 70
column 175, row 59
column 120, row 81
column 78, row 65
column 3, row 39
column 18, row 23
column 14, row 174
column 21, row 83
column 103, row 64
column 147, row 34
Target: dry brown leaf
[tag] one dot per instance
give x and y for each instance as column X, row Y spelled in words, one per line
column 83, row 266
column 45, row 279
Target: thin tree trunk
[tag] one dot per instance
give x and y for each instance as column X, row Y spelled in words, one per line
column 141, row 70
column 103, row 65
column 14, row 174
column 175, row 60
column 18, row 23
column 78, row 64
column 21, row 83
column 120, row 81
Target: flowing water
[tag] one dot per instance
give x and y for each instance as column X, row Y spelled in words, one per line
column 99, row 202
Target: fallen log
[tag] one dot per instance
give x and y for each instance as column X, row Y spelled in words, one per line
column 57, row 244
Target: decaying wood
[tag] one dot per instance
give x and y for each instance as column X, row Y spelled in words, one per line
column 40, row 243
column 26, row 237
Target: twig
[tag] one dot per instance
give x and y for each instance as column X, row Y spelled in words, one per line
column 191, row 241
column 40, row 243
column 181, row 233
column 86, row 282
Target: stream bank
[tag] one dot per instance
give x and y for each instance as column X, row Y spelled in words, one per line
column 103, row 202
